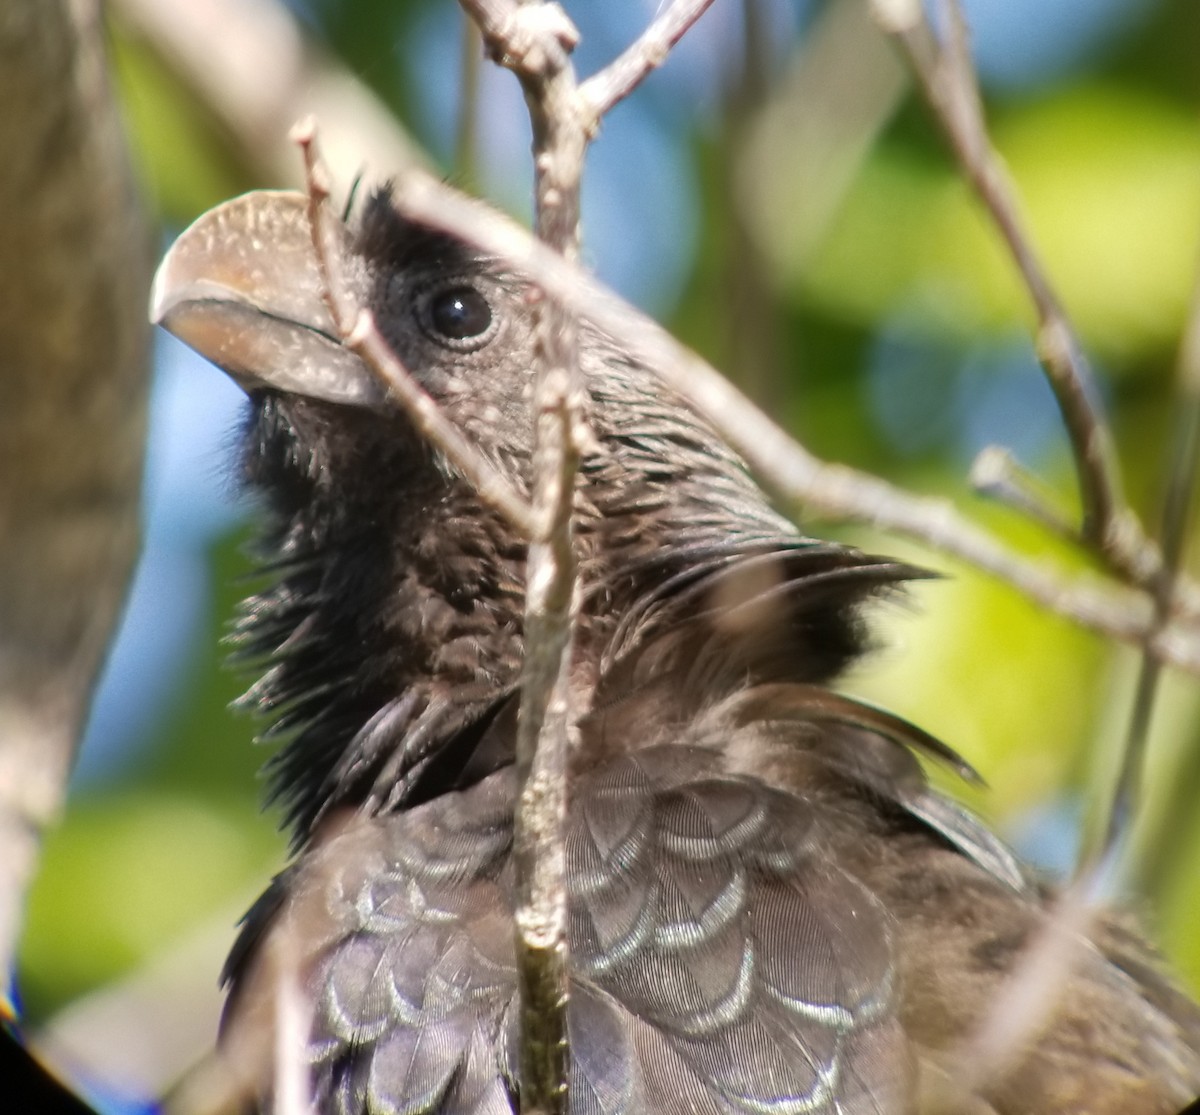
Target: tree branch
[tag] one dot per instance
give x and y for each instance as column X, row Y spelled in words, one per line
column 1121, row 809
column 784, row 466
column 534, row 40
column 75, row 342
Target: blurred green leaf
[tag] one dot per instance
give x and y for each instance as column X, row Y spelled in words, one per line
column 127, row 874
column 1007, row 686
column 1108, row 179
column 185, row 162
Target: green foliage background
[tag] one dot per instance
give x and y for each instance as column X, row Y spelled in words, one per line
column 1108, row 167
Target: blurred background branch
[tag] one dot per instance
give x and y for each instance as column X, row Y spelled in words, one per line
column 75, row 255
column 251, row 65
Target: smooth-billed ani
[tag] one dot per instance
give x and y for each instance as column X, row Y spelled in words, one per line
column 770, row 910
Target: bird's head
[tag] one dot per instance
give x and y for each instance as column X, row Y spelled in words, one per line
column 243, row 287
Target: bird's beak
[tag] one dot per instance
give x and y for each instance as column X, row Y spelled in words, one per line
column 241, row 286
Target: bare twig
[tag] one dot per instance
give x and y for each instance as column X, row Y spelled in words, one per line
column 997, row 474
column 1035, row 988
column 1180, row 492
column 946, row 76
column 535, row 41
column 1158, row 855
column 293, row 1023
column 629, row 69
column 1110, row 528
column 360, row 334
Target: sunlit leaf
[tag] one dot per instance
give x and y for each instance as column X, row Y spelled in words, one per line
column 128, row 874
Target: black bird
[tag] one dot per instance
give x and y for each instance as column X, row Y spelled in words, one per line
column 770, row 910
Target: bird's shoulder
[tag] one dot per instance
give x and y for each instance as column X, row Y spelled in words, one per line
column 722, row 956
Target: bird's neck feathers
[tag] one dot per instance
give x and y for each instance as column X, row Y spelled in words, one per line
column 391, row 615
column 389, row 631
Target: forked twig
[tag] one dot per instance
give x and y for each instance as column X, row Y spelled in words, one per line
column 943, row 68
column 535, row 40
column 1110, row 528
column 629, row 69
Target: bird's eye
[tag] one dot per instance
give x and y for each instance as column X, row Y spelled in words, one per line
column 460, row 317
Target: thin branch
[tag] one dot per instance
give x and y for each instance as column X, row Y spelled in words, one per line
column 1159, row 853
column 356, row 325
column 293, row 1024
column 364, row 339
column 1034, row 989
column 535, row 40
column 629, row 69
column 947, row 78
column 1110, row 528
column 790, row 471
column 996, row 474
column 1177, row 505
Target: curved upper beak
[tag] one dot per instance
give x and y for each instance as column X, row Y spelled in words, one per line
column 241, row 286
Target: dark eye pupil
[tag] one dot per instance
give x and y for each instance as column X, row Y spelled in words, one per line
column 460, row 313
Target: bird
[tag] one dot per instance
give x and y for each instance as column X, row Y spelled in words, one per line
column 770, row 908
